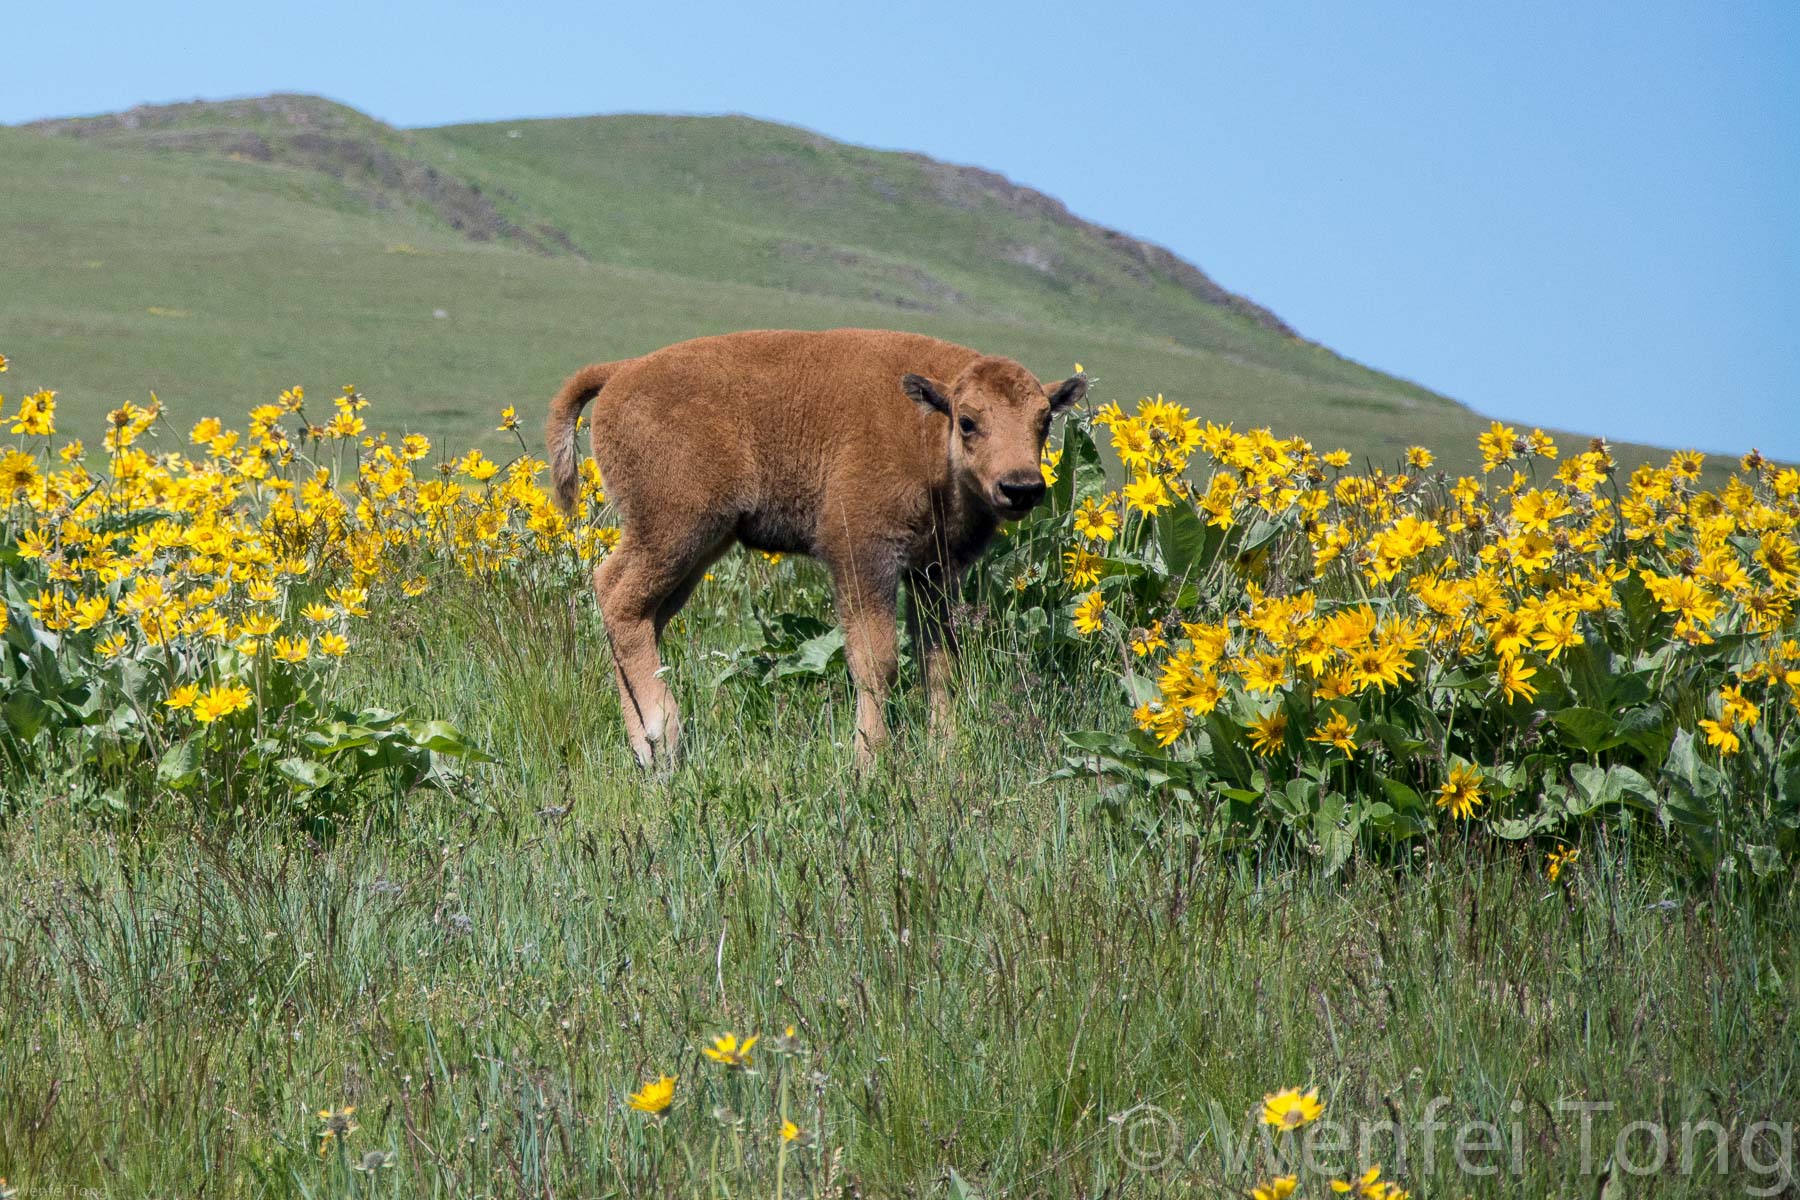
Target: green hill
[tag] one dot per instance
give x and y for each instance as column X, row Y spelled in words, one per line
column 219, row 252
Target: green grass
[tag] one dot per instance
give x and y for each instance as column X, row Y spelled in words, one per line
column 218, row 281
column 981, row 970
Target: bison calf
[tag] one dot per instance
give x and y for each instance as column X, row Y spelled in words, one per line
column 889, row 456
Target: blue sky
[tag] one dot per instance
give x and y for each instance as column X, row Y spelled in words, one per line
column 1580, row 214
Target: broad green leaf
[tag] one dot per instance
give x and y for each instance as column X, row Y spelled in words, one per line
column 1187, row 545
column 305, row 772
column 180, row 764
column 1403, row 798
column 1587, row 728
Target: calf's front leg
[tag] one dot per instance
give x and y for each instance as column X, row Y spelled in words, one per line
column 866, row 608
column 934, row 644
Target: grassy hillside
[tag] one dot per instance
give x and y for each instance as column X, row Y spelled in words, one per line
column 220, row 252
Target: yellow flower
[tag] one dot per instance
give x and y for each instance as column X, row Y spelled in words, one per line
column 1166, row 724
column 789, row 1131
column 90, row 612
column 1292, row 1108
column 727, row 1051
column 1378, row 667
column 37, row 415
column 1089, row 613
column 344, row 425
column 1461, row 792
column 1279, row 1188
column 318, row 613
column 508, row 419
column 1369, row 1186
column 1687, row 463
column 1081, row 568
column 1558, row 633
column 258, row 625
column 1556, row 860
column 1722, row 733
column 1147, row 494
column 18, row 471
column 292, row 649
column 1264, row 673
column 1337, row 458
column 221, row 701
column 1499, row 445
column 1419, row 458
column 333, row 645
column 1511, row 676
column 183, row 696
column 1339, row 732
column 1268, row 733
column 339, row 1125
column 1145, row 642
column 1096, row 521
column 655, row 1097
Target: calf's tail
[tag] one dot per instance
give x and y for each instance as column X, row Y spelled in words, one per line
column 559, row 430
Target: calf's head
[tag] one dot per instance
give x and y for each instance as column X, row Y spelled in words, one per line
column 999, row 417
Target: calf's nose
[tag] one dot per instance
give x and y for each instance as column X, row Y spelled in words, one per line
column 1022, row 493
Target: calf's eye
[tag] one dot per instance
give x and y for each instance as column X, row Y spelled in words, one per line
column 968, row 426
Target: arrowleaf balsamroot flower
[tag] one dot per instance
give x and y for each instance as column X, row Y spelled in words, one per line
column 1461, row 792
column 221, row 701
column 1292, row 1108
column 1339, row 731
column 1511, row 675
column 654, row 1097
column 727, row 1051
column 339, row 1125
column 1268, row 733
column 1089, row 612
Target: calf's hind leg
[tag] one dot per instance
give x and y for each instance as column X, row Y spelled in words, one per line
column 639, row 589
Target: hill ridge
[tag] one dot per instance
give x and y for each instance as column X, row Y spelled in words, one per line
column 385, row 163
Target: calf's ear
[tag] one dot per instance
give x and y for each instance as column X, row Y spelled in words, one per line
column 1067, row 394
column 926, row 393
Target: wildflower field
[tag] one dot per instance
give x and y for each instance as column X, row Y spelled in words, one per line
column 1282, row 790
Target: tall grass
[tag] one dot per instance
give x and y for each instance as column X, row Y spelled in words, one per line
column 982, row 974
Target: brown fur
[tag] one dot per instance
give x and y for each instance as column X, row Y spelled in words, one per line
column 846, row 445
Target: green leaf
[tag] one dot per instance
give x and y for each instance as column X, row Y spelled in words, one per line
column 1765, row 861
column 1515, row 829
column 306, row 773
column 1587, row 728
column 27, row 716
column 1139, row 689
column 441, row 737
column 180, row 764
column 813, row 656
column 1402, row 797
column 1400, row 742
column 337, row 736
column 1186, row 543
